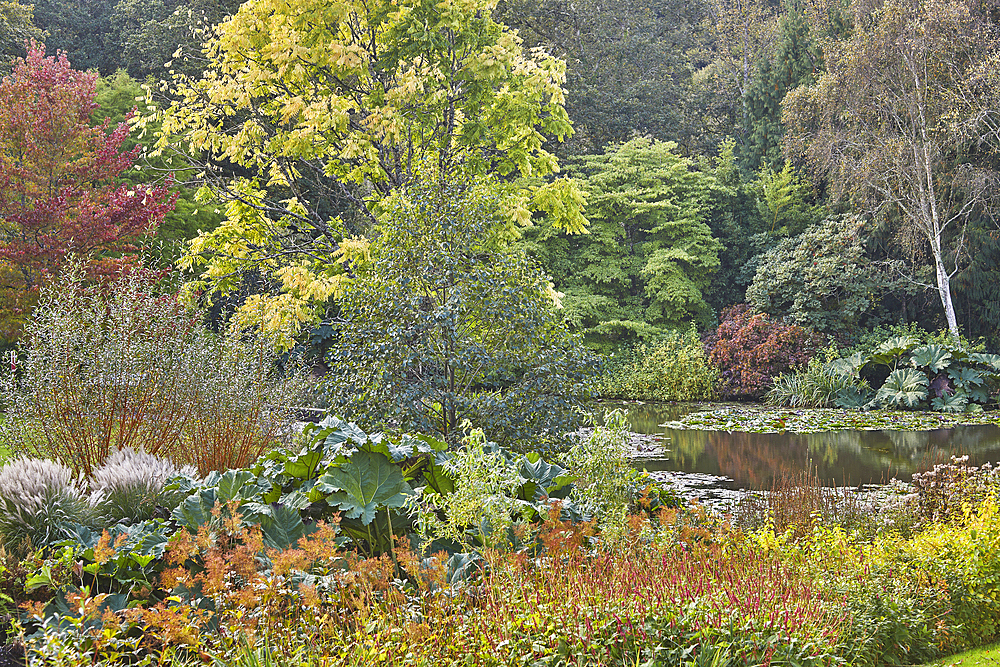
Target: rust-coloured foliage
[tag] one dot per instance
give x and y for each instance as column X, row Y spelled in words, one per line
column 750, row 350
column 59, row 188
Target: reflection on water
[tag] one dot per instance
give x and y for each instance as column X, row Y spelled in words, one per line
column 753, row 460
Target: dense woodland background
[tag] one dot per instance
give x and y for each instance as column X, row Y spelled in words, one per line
column 732, row 151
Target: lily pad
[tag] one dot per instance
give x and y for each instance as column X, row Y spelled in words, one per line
column 756, row 419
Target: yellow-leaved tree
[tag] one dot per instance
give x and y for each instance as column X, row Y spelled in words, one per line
column 311, row 112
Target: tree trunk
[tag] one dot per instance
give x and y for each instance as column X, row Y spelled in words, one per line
column 944, row 290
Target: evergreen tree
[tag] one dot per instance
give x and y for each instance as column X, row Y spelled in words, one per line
column 734, row 216
column 796, row 61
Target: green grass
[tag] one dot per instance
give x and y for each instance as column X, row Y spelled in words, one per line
column 984, row 656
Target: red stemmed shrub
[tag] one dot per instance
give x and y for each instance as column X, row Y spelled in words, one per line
column 750, row 350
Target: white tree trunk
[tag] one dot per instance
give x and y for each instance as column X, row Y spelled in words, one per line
column 944, row 290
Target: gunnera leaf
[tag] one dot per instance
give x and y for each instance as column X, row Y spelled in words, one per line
column 905, row 386
column 933, row 357
column 364, row 485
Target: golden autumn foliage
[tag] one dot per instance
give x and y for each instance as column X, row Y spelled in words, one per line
column 329, row 107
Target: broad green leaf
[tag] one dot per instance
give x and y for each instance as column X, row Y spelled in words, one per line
column 237, row 485
column 297, row 500
column 283, row 528
column 966, row 377
column 905, row 386
column 848, row 366
column 196, row 509
column 438, row 477
column 304, row 465
column 955, row 402
column 992, row 360
column 892, row 349
column 366, row 483
column 933, row 356
column 342, row 432
column 541, row 478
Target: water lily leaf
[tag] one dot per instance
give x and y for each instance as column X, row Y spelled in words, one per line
column 366, row 483
column 932, row 356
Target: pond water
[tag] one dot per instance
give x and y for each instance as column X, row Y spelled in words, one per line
column 843, row 458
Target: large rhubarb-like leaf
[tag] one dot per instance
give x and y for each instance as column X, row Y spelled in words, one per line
column 889, row 351
column 933, row 356
column 906, row 386
column 364, row 485
column 541, row 478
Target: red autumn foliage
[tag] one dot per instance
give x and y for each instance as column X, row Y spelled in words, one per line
column 750, row 350
column 60, row 192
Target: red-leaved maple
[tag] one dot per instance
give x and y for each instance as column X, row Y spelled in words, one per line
column 60, row 192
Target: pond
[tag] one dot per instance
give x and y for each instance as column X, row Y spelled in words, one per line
column 842, row 458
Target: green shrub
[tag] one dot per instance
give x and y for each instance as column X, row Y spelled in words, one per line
column 674, row 368
column 447, row 324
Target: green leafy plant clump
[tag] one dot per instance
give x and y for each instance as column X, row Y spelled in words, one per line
column 673, row 368
column 899, row 373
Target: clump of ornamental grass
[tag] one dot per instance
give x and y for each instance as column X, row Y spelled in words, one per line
column 38, row 499
column 130, row 486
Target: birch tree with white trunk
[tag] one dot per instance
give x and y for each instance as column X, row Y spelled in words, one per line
column 880, row 124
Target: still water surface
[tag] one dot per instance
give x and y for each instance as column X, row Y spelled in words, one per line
column 753, row 460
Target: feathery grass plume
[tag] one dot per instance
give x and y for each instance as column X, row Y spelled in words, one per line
column 129, row 486
column 37, row 499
